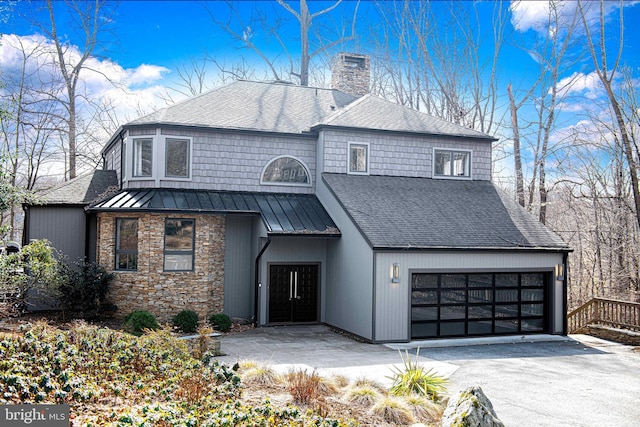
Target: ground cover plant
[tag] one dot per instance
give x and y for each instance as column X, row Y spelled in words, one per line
column 113, row 378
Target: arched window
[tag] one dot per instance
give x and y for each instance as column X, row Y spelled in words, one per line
column 286, row 170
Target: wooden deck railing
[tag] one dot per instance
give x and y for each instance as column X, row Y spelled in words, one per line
column 606, row 312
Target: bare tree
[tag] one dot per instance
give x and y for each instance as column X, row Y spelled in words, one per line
column 432, row 57
column 607, row 71
column 26, row 128
column 313, row 41
column 91, row 19
column 551, row 53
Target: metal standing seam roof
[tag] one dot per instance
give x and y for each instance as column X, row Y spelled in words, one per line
column 282, row 214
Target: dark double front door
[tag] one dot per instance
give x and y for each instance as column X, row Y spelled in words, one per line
column 293, row 293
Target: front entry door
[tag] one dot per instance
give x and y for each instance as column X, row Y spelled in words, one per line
column 293, row 293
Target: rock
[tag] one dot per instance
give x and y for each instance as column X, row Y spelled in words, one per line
column 241, row 321
column 471, row 408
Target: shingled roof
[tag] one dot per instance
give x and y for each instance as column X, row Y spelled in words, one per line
column 423, row 213
column 81, row 190
column 256, row 106
column 291, row 109
column 372, row 112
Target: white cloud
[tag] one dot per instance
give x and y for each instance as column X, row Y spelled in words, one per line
column 145, row 73
column 529, row 15
column 535, row 15
column 588, row 85
column 132, row 90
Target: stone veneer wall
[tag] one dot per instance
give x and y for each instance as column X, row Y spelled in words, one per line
column 166, row 293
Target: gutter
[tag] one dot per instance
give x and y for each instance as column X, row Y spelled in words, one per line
column 258, row 285
column 470, row 249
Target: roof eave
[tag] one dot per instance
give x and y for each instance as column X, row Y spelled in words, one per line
column 303, row 133
column 321, row 234
column 472, row 248
column 319, row 127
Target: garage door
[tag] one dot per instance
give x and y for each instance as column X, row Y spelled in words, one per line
column 450, row 305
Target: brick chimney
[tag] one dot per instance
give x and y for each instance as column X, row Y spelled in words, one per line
column 350, row 73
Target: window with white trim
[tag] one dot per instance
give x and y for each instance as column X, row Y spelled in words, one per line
column 142, row 157
column 179, row 242
column 177, row 154
column 358, row 158
column 452, row 163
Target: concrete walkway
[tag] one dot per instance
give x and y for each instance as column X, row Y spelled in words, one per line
column 532, row 381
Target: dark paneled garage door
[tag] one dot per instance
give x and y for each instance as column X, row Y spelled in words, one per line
column 450, row 305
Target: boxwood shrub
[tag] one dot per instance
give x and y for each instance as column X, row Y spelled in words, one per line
column 186, row 321
column 137, row 321
column 220, row 322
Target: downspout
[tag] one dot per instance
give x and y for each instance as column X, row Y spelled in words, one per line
column 565, row 292
column 25, row 225
column 257, row 282
column 122, row 165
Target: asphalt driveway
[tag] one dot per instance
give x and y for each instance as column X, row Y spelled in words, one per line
column 575, row 381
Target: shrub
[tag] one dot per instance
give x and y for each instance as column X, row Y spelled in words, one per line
column 82, row 288
column 221, row 322
column 413, row 378
column 137, row 321
column 186, row 321
column 33, row 268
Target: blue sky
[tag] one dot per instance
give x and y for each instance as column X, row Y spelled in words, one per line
column 151, row 39
column 168, row 34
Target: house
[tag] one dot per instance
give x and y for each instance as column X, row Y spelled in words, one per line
column 287, row 204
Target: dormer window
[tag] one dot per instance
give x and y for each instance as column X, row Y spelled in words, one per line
column 286, row 170
column 452, row 163
column 358, row 158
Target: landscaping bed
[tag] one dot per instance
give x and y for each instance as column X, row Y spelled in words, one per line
column 112, row 378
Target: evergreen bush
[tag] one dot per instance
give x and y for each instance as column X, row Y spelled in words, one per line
column 221, row 322
column 186, row 321
column 82, row 288
column 137, row 321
